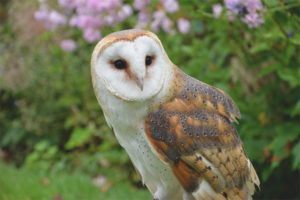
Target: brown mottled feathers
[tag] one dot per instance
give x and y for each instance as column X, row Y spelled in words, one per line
column 193, row 133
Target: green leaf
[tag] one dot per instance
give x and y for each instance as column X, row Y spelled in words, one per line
column 296, row 109
column 32, row 157
column 51, row 152
column 271, row 3
column 255, row 148
column 197, row 26
column 106, row 145
column 266, row 173
column 116, row 156
column 41, row 146
column 273, row 34
column 14, row 135
column 281, row 17
column 285, row 132
column 268, row 70
column 296, row 39
column 68, row 100
column 79, row 137
column 296, row 155
column 292, row 76
column 259, row 46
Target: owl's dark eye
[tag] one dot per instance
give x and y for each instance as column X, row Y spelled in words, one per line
column 148, row 60
column 120, row 64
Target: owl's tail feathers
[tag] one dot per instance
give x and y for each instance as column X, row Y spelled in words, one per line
column 247, row 190
column 253, row 180
column 253, row 175
column 235, row 193
column 244, row 192
column 227, row 194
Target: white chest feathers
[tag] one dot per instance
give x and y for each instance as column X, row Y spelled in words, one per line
column 129, row 69
column 128, row 125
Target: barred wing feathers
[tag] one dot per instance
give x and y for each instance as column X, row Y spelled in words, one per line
column 193, row 132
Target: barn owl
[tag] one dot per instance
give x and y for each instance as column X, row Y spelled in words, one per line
column 177, row 131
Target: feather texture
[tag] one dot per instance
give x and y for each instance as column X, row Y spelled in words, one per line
column 193, row 133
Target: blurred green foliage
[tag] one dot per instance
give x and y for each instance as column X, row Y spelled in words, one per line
column 51, row 121
column 32, row 184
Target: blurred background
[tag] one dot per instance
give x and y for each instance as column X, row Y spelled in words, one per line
column 54, row 141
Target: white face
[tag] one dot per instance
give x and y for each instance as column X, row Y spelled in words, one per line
column 132, row 71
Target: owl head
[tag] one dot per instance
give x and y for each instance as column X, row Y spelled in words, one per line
column 130, row 64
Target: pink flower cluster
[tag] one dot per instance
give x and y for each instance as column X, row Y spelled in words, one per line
column 255, row 13
column 183, row 25
column 90, row 15
column 68, row 45
column 160, row 17
column 50, row 18
column 251, row 12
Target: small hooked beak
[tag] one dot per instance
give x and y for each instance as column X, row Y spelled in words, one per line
column 140, row 83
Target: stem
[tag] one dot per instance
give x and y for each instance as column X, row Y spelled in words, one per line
column 206, row 14
column 284, row 7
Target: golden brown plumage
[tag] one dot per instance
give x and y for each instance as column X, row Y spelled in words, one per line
column 192, row 131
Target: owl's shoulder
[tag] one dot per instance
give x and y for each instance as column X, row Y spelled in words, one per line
column 205, row 96
column 186, row 93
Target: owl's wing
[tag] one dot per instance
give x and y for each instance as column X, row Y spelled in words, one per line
column 193, row 133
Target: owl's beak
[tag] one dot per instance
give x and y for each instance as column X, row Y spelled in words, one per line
column 140, row 83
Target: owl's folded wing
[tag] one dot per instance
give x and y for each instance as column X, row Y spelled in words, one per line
column 193, row 133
